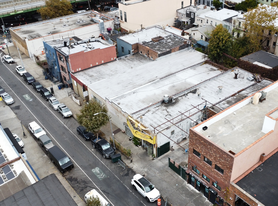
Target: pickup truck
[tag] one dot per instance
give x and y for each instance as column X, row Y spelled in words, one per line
column 102, row 146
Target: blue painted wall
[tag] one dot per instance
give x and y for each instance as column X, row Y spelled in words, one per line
column 123, row 48
column 52, row 61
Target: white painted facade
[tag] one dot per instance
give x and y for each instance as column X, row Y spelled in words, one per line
column 135, row 15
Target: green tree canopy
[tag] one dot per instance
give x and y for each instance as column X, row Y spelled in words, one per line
column 258, row 21
column 217, row 4
column 245, row 5
column 93, row 202
column 240, row 47
column 219, row 43
column 93, row 116
column 55, row 8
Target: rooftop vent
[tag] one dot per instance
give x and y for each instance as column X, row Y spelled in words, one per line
column 157, row 39
column 167, row 99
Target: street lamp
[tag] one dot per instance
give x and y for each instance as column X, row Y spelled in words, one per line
column 22, row 129
column 110, row 126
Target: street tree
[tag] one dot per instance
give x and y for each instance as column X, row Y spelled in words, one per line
column 260, row 24
column 55, row 8
column 93, row 116
column 94, row 201
column 245, row 5
column 217, row 4
column 219, row 43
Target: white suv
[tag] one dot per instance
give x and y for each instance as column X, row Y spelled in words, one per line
column 8, row 59
column 64, row 110
column 145, row 188
column 35, row 129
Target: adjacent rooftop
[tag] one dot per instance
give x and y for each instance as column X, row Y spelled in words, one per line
column 264, row 191
column 241, row 125
column 262, row 58
column 58, row 25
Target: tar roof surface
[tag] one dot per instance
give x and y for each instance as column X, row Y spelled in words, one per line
column 57, row 25
column 262, row 182
column 47, row 192
column 263, row 57
column 238, row 130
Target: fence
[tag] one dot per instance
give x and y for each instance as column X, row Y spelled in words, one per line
column 178, row 169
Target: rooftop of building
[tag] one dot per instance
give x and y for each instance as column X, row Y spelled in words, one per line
column 198, row 9
column 145, row 35
column 262, row 58
column 205, row 30
column 78, row 46
column 176, row 31
column 164, row 44
column 265, row 190
column 122, row 73
column 59, row 25
column 129, row 2
column 240, row 125
column 47, row 191
column 222, row 14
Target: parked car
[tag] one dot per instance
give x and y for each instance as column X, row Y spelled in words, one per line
column 84, row 133
column 2, row 90
column 145, row 188
column 28, row 78
column 94, row 194
column 37, row 86
column 64, row 110
column 20, row 70
column 45, row 93
column 45, row 142
column 35, row 129
column 54, row 102
column 103, row 147
column 8, row 59
column 7, row 98
column 60, row 159
column 19, row 140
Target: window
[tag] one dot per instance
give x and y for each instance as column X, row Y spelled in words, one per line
column 215, row 23
column 207, row 160
column 269, row 33
column 211, row 22
column 207, row 21
column 63, row 68
column 125, row 16
column 61, row 58
column 206, row 178
column 274, row 44
column 193, row 34
column 65, row 79
column 192, row 15
column 215, row 184
column 194, row 168
column 121, row 14
column 239, row 24
column 219, row 169
column 267, row 43
column 123, row 49
column 182, row 4
column 196, row 153
column 238, row 34
column 201, row 36
column 201, row 21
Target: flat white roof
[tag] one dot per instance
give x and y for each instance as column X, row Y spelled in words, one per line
column 221, row 14
column 144, row 35
column 176, row 31
column 131, row 72
column 213, row 86
column 238, row 127
column 58, row 25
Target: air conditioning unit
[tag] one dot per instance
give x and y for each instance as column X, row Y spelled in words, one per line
column 1, row 171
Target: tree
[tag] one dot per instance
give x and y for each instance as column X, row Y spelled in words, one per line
column 55, row 8
column 93, row 116
column 240, row 47
column 245, row 5
column 94, row 201
column 217, row 4
column 219, row 43
column 260, row 24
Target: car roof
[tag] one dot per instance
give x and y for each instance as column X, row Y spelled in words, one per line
column 53, row 98
column 27, row 74
column 57, row 152
column 34, row 124
column 44, row 138
column 36, row 83
column 102, row 142
column 144, row 181
column 62, row 105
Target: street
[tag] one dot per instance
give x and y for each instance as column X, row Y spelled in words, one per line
column 91, row 170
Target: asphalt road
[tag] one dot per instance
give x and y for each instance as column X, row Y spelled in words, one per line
column 91, row 170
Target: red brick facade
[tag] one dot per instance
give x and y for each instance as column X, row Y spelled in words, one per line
column 63, row 68
column 217, row 157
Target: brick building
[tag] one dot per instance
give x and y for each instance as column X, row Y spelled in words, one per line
column 225, row 150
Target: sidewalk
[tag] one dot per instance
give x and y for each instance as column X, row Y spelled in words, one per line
column 173, row 188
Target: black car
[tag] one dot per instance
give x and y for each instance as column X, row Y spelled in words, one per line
column 45, row 93
column 28, row 78
column 103, row 147
column 84, row 133
column 37, row 86
column 2, row 91
column 60, row 159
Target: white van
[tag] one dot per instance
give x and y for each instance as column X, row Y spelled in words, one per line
column 94, row 194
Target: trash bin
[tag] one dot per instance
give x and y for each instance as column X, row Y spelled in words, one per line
column 116, row 157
